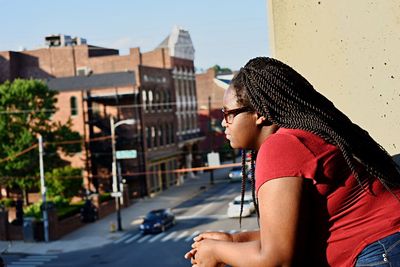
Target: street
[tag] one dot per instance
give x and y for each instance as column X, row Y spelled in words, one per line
column 204, row 212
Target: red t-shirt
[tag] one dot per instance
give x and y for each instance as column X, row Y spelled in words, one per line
column 344, row 218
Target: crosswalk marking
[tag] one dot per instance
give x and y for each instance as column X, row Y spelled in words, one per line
column 168, row 237
column 174, row 236
column 192, row 236
column 183, row 234
column 126, row 236
column 32, row 261
column 157, row 237
column 144, row 238
column 133, row 238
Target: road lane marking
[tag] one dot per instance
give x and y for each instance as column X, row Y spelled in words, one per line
column 202, row 209
column 133, row 238
column 194, row 216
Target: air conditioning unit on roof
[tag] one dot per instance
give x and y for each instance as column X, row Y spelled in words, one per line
column 83, row 71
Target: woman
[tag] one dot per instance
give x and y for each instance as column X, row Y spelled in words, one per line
column 327, row 193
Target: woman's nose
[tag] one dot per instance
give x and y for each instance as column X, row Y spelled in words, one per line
column 223, row 123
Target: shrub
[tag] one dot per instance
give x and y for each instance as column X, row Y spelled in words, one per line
column 105, row 197
column 33, row 210
column 67, row 211
column 7, row 202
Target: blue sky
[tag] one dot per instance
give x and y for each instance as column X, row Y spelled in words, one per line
column 224, row 32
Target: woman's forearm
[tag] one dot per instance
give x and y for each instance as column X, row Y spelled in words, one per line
column 246, row 236
column 244, row 254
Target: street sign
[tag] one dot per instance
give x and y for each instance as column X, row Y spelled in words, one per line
column 213, row 159
column 126, row 154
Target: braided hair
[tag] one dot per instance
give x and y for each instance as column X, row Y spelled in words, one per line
column 287, row 99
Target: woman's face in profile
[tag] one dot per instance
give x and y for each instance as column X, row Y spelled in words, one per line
column 241, row 128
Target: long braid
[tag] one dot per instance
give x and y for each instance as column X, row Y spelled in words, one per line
column 253, row 183
column 287, row 99
column 243, row 189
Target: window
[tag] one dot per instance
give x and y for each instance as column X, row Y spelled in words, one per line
column 150, row 99
column 171, row 133
column 144, row 99
column 74, row 106
column 148, row 137
column 153, row 136
column 161, row 135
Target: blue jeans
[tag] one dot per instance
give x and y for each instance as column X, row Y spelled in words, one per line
column 382, row 253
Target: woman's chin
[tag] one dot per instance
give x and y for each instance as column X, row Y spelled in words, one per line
column 233, row 145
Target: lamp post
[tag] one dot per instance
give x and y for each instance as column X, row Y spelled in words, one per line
column 116, row 186
column 43, row 191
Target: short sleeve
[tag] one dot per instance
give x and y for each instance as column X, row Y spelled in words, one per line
column 284, row 155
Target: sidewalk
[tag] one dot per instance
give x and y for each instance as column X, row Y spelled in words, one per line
column 98, row 233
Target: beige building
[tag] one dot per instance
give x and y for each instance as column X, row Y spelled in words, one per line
column 349, row 51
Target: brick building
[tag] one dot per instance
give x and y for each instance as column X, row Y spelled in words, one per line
column 211, row 87
column 155, row 88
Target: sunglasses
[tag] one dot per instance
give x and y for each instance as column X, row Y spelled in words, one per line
column 229, row 115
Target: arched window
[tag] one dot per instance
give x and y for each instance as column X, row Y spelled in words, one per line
column 161, row 134
column 171, row 133
column 166, row 133
column 148, row 137
column 168, row 100
column 154, row 136
column 157, row 100
column 144, row 99
column 162, row 100
column 150, row 99
column 74, row 105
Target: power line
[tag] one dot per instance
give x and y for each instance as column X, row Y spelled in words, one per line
column 131, row 174
column 58, row 142
column 145, row 106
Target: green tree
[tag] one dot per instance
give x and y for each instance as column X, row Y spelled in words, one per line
column 220, row 70
column 65, row 181
column 26, row 109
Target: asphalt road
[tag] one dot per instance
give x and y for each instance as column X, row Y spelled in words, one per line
column 205, row 212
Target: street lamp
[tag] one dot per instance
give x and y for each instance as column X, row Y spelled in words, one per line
column 116, row 186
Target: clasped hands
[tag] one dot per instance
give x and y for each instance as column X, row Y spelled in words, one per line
column 201, row 254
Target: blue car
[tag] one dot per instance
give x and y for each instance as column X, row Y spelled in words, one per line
column 157, row 221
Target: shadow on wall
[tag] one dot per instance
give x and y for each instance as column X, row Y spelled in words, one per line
column 396, row 159
column 21, row 65
column 3, row 70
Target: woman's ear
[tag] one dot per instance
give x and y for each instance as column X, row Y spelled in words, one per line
column 262, row 121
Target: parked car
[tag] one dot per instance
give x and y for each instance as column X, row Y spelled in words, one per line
column 157, row 221
column 235, row 174
column 234, row 207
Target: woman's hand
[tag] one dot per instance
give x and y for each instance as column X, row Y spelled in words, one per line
column 207, row 235
column 215, row 236
column 203, row 254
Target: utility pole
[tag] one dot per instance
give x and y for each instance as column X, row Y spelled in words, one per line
column 43, row 191
column 116, row 184
column 211, row 134
column 114, row 176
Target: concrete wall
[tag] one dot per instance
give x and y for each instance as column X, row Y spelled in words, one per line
column 349, row 51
